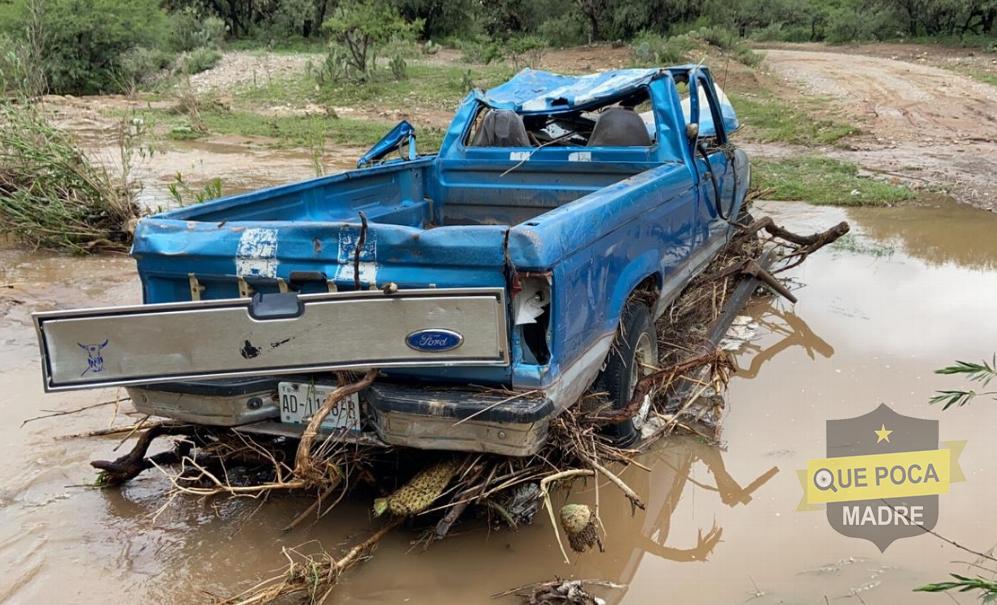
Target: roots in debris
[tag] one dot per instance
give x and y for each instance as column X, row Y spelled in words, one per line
column 685, row 384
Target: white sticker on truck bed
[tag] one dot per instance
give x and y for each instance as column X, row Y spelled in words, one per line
column 348, row 239
column 257, row 253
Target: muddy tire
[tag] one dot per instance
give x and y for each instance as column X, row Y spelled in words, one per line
column 635, row 348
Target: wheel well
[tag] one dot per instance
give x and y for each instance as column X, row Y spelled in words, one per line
column 646, row 292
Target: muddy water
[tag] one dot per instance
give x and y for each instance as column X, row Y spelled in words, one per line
column 914, row 290
column 241, row 163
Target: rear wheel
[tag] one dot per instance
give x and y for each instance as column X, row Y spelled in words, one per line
column 634, row 354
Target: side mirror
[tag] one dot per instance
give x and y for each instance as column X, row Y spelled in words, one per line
column 399, row 135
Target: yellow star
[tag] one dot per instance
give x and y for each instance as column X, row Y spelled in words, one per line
column 883, row 434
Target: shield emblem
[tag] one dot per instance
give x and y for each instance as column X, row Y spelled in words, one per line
column 881, row 431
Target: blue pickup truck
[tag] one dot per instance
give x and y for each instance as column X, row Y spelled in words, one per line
column 492, row 283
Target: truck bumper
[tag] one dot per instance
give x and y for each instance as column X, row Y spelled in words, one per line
column 496, row 422
column 431, row 418
column 222, row 402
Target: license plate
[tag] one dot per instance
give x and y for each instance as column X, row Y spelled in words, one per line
column 300, row 401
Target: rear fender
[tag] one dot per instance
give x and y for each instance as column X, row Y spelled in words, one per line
column 639, row 269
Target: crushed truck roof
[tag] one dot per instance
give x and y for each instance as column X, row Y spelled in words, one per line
column 533, row 91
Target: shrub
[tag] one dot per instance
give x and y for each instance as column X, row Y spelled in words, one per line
column 141, row 65
column 719, row 37
column 743, row 54
column 20, row 74
column 51, row 195
column 198, row 60
column 653, row 50
column 567, row 30
column 528, row 50
column 85, row 40
column 480, row 49
column 399, row 69
column 191, row 29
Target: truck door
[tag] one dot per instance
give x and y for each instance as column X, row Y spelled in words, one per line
column 714, row 159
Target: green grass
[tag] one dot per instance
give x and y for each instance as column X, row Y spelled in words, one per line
column 437, row 87
column 766, row 119
column 823, row 181
column 862, row 245
column 293, row 130
column 979, row 75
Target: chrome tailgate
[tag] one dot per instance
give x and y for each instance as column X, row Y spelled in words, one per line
column 271, row 334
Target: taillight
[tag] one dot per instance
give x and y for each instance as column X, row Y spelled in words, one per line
column 531, row 312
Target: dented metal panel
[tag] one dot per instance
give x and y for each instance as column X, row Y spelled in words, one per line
column 272, row 334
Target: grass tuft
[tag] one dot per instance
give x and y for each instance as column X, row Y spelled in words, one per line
column 51, row 195
column 824, row 181
column 766, row 119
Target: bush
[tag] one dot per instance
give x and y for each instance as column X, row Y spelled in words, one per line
column 51, row 195
column 528, row 51
column 399, row 69
column 719, row 37
column 567, row 30
column 746, row 56
column 772, row 32
column 845, row 26
column 653, row 50
column 141, row 65
column 84, row 40
column 20, row 74
column 201, row 59
column 191, row 29
column 480, row 49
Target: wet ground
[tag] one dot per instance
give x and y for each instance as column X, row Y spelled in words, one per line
column 929, row 125
column 913, row 290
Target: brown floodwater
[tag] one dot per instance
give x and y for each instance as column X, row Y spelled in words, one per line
column 912, row 290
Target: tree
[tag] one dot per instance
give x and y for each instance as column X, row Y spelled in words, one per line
column 361, row 26
column 595, row 12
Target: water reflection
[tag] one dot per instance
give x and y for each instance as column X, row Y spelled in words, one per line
column 938, row 231
column 795, row 332
column 667, row 487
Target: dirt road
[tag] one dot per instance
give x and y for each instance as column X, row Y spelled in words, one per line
column 923, row 123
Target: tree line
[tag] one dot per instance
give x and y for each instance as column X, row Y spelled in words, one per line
column 87, row 46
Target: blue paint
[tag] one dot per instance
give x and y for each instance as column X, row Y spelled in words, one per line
column 95, row 359
column 434, row 341
column 474, row 216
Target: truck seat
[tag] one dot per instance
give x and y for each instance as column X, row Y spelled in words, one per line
column 619, row 127
column 501, row 128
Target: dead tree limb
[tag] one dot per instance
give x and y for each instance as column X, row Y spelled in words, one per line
column 128, row 467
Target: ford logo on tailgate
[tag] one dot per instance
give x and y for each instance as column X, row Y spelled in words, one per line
column 434, row 341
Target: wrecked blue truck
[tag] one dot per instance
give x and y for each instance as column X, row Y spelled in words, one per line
column 492, row 284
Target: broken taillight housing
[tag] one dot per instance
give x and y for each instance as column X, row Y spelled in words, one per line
column 531, row 312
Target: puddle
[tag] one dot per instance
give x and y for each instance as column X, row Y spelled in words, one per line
column 721, row 525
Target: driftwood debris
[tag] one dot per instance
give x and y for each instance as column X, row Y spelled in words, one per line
column 558, row 591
